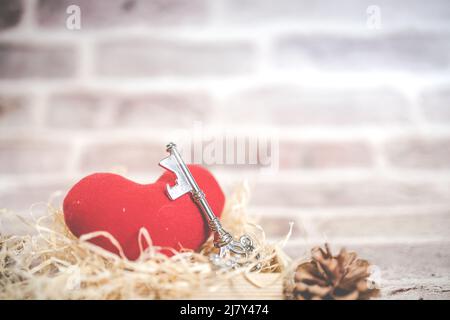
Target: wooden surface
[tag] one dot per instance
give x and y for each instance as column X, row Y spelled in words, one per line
column 410, row 245
column 410, row 270
column 272, row 288
column 241, row 288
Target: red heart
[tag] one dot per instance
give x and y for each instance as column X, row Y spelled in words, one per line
column 109, row 202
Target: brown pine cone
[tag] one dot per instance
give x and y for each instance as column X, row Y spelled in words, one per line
column 328, row 277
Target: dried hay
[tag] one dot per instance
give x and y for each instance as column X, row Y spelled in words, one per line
column 53, row 264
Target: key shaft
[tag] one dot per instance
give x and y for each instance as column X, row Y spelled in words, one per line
column 222, row 239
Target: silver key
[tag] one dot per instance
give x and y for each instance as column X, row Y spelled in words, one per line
column 232, row 253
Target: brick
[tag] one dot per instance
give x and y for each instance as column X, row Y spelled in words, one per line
column 384, row 226
column 140, row 58
column 32, row 155
column 253, row 11
column 349, row 193
column 416, row 52
column 419, row 153
column 300, row 106
column 319, row 155
column 163, row 110
column 124, row 13
column 15, row 111
column 21, row 197
column 73, row 110
column 11, row 12
column 397, row 261
column 434, row 104
column 18, row 61
column 135, row 156
column 353, row 12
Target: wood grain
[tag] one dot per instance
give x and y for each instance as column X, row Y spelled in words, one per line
column 270, row 287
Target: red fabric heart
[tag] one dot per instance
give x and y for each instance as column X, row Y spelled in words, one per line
column 109, row 202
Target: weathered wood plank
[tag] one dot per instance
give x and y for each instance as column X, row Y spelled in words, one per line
column 397, row 261
column 416, row 289
column 240, row 288
column 409, row 289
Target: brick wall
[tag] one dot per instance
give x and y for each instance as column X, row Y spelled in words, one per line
column 362, row 114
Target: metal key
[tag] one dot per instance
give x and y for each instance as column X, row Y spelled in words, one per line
column 232, row 253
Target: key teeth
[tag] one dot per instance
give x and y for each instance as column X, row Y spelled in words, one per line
column 181, row 185
column 169, row 193
column 163, row 164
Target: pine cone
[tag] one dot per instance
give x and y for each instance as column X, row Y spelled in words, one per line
column 328, row 277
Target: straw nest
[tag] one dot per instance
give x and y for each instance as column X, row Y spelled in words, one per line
column 50, row 263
